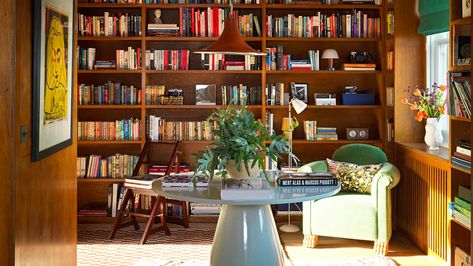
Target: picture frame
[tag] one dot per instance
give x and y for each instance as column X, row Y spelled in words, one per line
column 205, row 94
column 53, row 63
column 466, row 8
column 299, row 91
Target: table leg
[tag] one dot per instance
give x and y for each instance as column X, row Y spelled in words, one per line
column 246, row 235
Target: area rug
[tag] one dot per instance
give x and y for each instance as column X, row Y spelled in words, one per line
column 184, row 247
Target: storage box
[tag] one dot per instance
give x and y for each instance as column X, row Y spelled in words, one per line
column 358, row 99
column 461, row 258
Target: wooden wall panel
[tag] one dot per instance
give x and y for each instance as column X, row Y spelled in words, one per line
column 422, row 198
column 410, row 69
column 7, row 150
column 46, row 191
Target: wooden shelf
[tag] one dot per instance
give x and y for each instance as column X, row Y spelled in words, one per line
column 100, row 180
column 108, row 38
column 108, row 71
column 327, row 107
column 195, row 39
column 461, row 21
column 460, row 224
column 204, row 72
column 306, row 39
column 109, row 106
column 322, row 7
column 459, row 118
column 460, row 68
column 107, row 142
column 466, row 171
column 197, row 106
column 323, row 72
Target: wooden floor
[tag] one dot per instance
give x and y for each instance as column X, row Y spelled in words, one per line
column 401, row 250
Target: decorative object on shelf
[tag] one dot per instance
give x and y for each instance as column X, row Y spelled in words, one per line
column 52, row 77
column 462, row 51
column 330, row 54
column 429, row 104
column 299, row 91
column 358, row 133
column 325, row 99
column 230, row 41
column 242, row 139
column 352, row 96
column 157, row 16
column 205, row 94
column 466, row 8
column 360, row 57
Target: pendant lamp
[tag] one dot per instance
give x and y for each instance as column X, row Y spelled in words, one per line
column 230, row 42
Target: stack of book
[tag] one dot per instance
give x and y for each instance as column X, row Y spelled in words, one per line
column 209, row 22
column 185, row 180
column 122, row 25
column 310, row 130
column 167, row 59
column 109, row 93
column 354, row 25
column 143, row 182
column 163, row 30
column 462, row 155
column 307, row 179
column 325, row 99
column 248, row 189
column 153, row 93
column 238, row 94
column 159, row 129
column 126, row 129
column 277, row 60
column 326, row 133
column 160, row 169
column 129, row 59
column 115, row 166
column 204, row 209
column 460, row 95
column 358, row 67
column 460, row 209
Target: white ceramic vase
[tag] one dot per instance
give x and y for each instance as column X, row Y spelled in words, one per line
column 234, row 173
column 433, row 134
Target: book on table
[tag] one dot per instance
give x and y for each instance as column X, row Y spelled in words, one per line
column 307, row 179
column 245, row 188
column 185, row 180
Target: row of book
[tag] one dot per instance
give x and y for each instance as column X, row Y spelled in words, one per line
column 209, row 22
column 313, row 132
column 324, row 2
column 460, row 95
column 121, row 24
column 219, row 62
column 114, row 166
column 277, row 60
column 162, row 30
column 126, row 129
column 355, row 25
column 240, row 94
column 461, row 157
column 316, row 2
column 202, row 2
column 108, row 93
column 390, row 22
column 167, row 59
column 129, row 59
column 275, row 94
column 160, row 129
column 116, row 1
column 460, row 209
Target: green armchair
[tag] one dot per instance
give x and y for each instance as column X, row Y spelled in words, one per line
column 353, row 215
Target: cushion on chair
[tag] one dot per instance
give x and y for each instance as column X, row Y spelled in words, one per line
column 353, row 177
column 359, row 154
column 345, row 215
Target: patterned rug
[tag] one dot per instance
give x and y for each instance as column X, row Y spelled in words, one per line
column 184, row 247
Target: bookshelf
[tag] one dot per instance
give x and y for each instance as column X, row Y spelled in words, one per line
column 340, row 116
column 460, row 129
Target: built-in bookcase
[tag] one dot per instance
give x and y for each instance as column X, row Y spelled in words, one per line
column 374, row 117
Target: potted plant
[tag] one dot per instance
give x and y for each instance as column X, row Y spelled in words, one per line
column 241, row 145
column 429, row 104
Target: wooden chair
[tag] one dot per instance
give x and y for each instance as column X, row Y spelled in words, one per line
column 158, row 204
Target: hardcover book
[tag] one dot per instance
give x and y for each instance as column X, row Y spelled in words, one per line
column 240, row 189
column 308, row 179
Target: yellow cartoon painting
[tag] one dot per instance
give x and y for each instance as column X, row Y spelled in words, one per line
column 56, row 82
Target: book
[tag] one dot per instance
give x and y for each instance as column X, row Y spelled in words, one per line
column 307, row 179
column 245, row 189
column 463, row 151
column 141, row 180
column 185, row 180
column 464, row 193
column 206, row 94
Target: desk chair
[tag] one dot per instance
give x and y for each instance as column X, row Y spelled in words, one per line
column 158, row 204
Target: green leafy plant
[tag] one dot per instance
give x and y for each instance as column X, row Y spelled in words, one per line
column 241, row 138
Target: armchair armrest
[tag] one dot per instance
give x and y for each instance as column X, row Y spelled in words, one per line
column 388, row 176
column 317, row 166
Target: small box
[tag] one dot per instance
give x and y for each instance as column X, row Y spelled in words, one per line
column 358, row 99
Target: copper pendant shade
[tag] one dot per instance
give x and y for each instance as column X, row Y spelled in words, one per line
column 230, row 42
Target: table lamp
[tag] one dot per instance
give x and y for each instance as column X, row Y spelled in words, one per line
column 299, row 106
column 330, row 54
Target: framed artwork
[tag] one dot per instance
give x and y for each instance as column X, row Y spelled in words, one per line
column 52, row 77
column 299, row 91
column 466, row 8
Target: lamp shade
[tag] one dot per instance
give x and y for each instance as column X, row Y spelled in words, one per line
column 298, row 105
column 230, row 42
column 330, row 54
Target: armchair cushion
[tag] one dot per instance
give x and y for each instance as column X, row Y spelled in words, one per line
column 352, row 177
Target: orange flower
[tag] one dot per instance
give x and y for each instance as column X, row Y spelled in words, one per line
column 442, row 87
column 441, row 110
column 404, row 101
column 424, row 114
column 416, row 92
column 419, row 116
column 413, row 107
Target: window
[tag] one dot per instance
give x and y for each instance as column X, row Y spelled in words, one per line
column 437, row 70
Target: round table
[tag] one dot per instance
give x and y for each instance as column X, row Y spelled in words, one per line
column 246, row 232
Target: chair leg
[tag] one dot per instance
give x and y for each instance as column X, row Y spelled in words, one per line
column 162, row 206
column 149, row 224
column 311, row 241
column 381, row 248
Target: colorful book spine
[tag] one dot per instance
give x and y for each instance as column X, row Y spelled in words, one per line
column 127, row 129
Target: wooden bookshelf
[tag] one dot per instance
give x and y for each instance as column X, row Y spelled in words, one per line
column 340, row 116
column 460, row 129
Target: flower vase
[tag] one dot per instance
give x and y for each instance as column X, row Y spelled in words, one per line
column 433, row 134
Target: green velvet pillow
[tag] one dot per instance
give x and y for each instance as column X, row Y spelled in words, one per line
column 353, row 177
